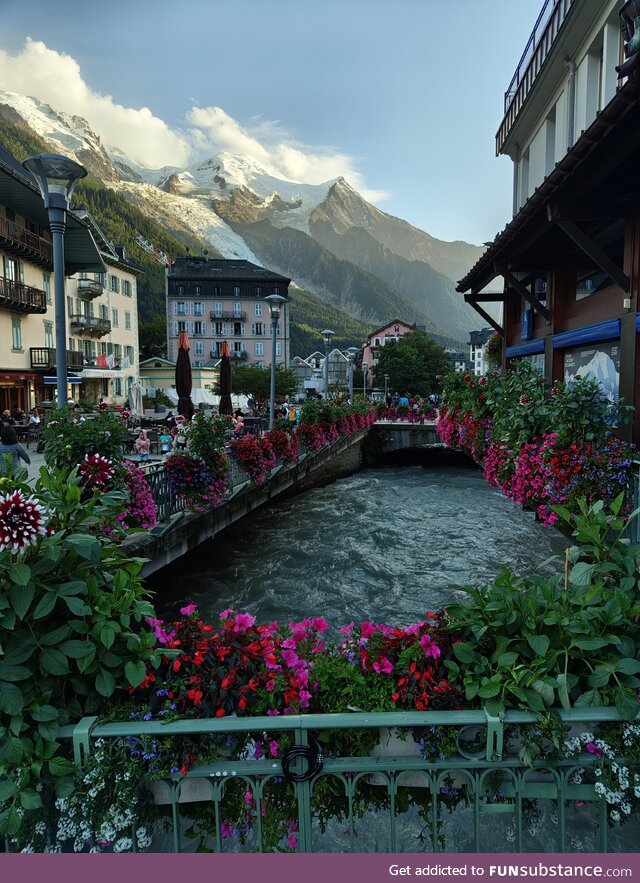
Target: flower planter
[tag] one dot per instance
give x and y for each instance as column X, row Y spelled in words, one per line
column 395, row 743
column 191, row 791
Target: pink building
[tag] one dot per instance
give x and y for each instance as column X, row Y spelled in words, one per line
column 392, row 331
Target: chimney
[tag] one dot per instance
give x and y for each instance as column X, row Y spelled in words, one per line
column 121, row 252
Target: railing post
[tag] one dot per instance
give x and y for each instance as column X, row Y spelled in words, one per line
column 82, row 739
column 303, row 795
column 495, row 737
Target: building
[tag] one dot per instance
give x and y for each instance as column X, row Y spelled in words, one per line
column 570, row 255
column 311, row 371
column 394, row 330
column 157, row 373
column 27, row 320
column 478, row 350
column 459, row 361
column 215, row 300
column 102, row 316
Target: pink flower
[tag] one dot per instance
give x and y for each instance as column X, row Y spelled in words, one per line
column 429, row 646
column 189, row 609
column 347, row 629
column 592, row 748
column 383, row 666
column 367, row 629
column 22, row 520
column 226, row 613
column 243, row 622
column 319, row 623
column 413, row 629
column 292, row 842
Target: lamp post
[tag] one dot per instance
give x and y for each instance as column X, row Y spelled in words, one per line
column 56, row 177
column 274, row 301
column 386, row 387
column 365, row 368
column 352, row 352
column 327, row 334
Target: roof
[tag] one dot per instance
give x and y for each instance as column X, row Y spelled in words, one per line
column 589, row 159
column 193, row 267
column 108, row 250
column 389, row 324
column 19, row 191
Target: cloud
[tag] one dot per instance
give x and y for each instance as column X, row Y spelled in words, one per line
column 56, row 79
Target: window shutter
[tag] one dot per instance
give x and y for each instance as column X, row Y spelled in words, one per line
column 253, row 329
column 175, row 328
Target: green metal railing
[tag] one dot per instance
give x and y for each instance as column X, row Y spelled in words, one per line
column 492, row 788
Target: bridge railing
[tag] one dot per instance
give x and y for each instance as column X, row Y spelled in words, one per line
column 475, row 795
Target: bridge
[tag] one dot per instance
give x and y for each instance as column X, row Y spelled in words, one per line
column 179, row 532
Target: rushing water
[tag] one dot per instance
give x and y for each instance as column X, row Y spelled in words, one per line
column 386, row 544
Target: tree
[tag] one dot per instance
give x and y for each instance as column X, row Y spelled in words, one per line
column 413, row 363
column 255, row 381
column 153, row 338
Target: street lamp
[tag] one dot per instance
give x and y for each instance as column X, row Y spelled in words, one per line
column 365, row 368
column 274, row 301
column 386, row 387
column 56, row 177
column 352, row 352
column 327, row 334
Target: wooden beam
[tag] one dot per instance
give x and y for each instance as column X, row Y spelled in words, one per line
column 487, row 297
column 531, row 299
column 487, row 318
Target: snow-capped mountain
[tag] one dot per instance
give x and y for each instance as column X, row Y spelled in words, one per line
column 244, row 211
column 602, row 369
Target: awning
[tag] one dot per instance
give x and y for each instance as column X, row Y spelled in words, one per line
column 532, row 348
column 98, row 374
column 589, row 334
column 51, row 381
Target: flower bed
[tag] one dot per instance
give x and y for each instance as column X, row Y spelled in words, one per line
column 254, row 456
column 193, row 481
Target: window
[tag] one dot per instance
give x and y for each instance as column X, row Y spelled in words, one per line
column 237, row 347
column 103, row 348
column 180, row 289
column 217, row 290
column 182, row 326
column 258, row 309
column 198, row 309
column 237, row 329
column 591, row 283
column 217, row 308
column 199, row 328
column 377, row 341
column 258, row 293
column 179, row 308
column 10, row 269
column 278, row 348
column 258, row 329
column 259, row 348
column 16, row 333
column 196, row 290
column 198, row 348
column 117, row 386
column 129, row 352
column 70, row 309
column 237, row 309
column 114, row 313
column 72, row 344
column 48, row 334
column 117, row 350
column 114, row 283
column 104, row 312
column 46, row 286
column 236, row 291
column 127, row 320
column 219, row 328
column 197, row 364
column 276, row 290
column 126, row 288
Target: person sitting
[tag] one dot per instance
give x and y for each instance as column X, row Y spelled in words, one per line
column 238, row 424
column 6, row 417
column 9, row 446
column 20, row 416
column 142, row 446
column 34, row 417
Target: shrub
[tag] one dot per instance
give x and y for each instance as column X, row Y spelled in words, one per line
column 67, row 442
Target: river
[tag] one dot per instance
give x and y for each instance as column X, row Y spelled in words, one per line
column 386, row 544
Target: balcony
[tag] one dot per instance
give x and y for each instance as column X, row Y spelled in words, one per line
column 89, row 288
column 238, row 357
column 44, row 358
column 21, row 298
column 18, row 240
column 91, row 326
column 239, row 317
column 545, row 31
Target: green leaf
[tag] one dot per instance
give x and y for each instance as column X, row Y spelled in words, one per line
column 13, row 749
column 7, row 789
column 60, row 766
column 591, row 697
column 44, row 713
column 75, row 587
column 506, row 660
column 21, row 598
column 30, row 800
column 77, row 649
column 581, row 574
column 539, row 644
column 135, row 673
column 11, row 698
column 45, row 605
column 77, row 606
column 107, row 636
column 49, row 730
column 626, row 704
column 10, row 821
column 563, row 692
column 545, row 690
column 14, row 672
column 20, row 574
column 55, row 637
column 628, row 666
column 54, row 662
column 464, row 652
column 105, row 682
column 86, row 546
column 22, row 647
column 590, row 643
column 488, row 691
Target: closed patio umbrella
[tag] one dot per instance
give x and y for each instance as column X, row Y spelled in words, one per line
column 183, row 377
column 225, row 406
column 136, row 393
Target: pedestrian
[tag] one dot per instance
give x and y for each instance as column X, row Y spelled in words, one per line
column 165, row 441
column 238, row 424
column 180, row 438
column 10, row 447
column 142, row 446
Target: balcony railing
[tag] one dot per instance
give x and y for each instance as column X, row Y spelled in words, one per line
column 22, row 298
column 239, row 317
column 545, row 31
column 89, row 288
column 94, row 326
column 18, row 239
column 44, row 357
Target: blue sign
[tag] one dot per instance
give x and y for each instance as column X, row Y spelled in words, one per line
column 526, row 324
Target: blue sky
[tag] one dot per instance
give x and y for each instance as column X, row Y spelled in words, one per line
column 403, row 96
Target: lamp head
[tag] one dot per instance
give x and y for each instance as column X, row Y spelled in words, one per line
column 327, row 334
column 56, row 176
column 274, row 301
column 365, row 367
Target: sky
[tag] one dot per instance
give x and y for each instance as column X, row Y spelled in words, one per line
column 402, row 97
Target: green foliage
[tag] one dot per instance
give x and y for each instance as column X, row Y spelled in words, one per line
column 252, row 380
column 72, row 608
column 310, row 313
column 413, row 364
column 570, row 640
column 153, row 338
column 205, row 437
column 66, row 442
